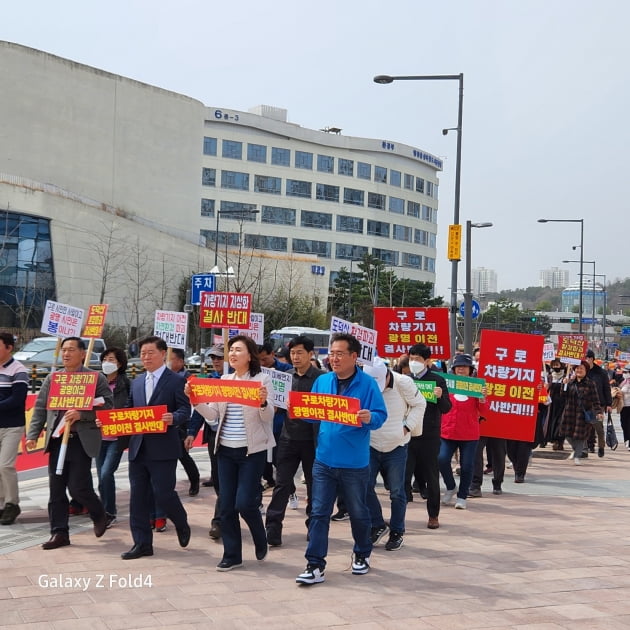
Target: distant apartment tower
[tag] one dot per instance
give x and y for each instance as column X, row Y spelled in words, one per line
column 554, row 278
column 484, row 281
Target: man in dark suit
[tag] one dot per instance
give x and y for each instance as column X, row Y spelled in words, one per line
column 84, row 444
column 153, row 456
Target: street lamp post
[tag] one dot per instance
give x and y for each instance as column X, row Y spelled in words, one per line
column 581, row 222
column 384, row 79
column 589, row 262
column 468, row 341
column 239, row 214
column 605, row 347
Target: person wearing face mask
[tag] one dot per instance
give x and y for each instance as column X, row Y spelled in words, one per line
column 423, row 452
column 624, row 387
column 114, row 367
column 557, row 372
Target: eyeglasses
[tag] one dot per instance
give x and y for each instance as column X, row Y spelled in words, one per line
column 338, row 355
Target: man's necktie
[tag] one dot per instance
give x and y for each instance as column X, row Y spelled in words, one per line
column 148, row 386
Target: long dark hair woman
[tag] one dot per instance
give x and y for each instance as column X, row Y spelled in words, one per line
column 244, row 434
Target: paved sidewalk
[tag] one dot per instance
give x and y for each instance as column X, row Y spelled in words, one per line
column 548, row 554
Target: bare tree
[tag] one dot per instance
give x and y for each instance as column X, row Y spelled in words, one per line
column 109, row 249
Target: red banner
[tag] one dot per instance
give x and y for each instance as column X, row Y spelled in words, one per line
column 325, row 407
column 132, row 420
column 206, row 390
column 400, row 328
column 225, row 310
column 511, row 364
column 95, row 321
column 571, row 348
column 72, row 390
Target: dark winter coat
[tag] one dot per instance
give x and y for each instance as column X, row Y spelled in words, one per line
column 572, row 424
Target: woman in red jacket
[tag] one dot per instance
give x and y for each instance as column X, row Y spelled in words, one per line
column 460, row 430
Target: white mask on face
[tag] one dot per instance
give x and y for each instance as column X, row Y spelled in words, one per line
column 416, row 366
column 108, row 367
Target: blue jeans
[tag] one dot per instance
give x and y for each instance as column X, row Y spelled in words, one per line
column 393, row 466
column 354, row 484
column 106, row 465
column 467, row 450
column 239, row 478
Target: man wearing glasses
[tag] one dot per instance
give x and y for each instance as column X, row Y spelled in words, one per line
column 342, row 460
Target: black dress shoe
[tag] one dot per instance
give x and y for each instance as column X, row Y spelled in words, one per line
column 215, row 531
column 183, row 535
column 228, row 565
column 194, row 488
column 208, row 484
column 57, row 540
column 137, row 551
column 261, row 552
column 100, row 525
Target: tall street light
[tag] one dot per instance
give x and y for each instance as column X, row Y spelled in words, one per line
column 468, row 341
column 383, row 79
column 589, row 262
column 605, row 347
column 236, row 214
column 581, row 222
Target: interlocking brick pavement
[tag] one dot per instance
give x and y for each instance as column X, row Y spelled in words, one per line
column 548, row 554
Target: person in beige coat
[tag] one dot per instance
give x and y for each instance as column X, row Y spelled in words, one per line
column 244, row 435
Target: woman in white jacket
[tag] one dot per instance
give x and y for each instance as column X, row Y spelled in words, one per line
column 244, row 435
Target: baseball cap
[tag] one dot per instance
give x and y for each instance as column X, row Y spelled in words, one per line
column 215, row 351
column 590, row 354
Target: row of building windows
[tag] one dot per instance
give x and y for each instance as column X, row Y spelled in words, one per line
column 233, row 180
column 321, row 220
column 233, row 149
column 323, row 249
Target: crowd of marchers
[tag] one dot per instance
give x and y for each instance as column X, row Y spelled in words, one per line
column 258, row 453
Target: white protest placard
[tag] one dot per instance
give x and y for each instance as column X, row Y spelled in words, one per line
column 62, row 320
column 549, row 352
column 281, row 383
column 366, row 337
column 172, row 326
column 256, row 328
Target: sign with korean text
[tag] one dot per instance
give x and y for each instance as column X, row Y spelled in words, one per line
column 366, row 337
column 465, row 385
column 399, row 328
column 510, row 364
column 199, row 283
column 281, row 383
column 118, row 422
column 622, row 356
column 95, row 321
column 72, row 390
column 549, row 352
column 209, row 390
column 571, row 348
column 454, row 244
column 62, row 320
column 256, row 328
column 324, row 407
column 171, row 326
column 427, row 389
column 225, row 310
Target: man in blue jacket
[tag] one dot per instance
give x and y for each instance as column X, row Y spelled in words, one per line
column 342, row 460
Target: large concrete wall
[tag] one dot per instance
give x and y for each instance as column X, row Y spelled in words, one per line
column 95, row 133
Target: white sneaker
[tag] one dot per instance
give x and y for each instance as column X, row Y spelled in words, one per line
column 460, row 504
column 577, row 461
column 294, row 501
column 311, row 575
column 448, row 495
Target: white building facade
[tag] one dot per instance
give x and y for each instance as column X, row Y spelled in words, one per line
column 554, row 278
column 96, row 155
column 483, row 281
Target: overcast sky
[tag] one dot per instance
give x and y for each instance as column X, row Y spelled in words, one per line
column 546, row 97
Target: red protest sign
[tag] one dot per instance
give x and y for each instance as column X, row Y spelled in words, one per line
column 225, row 310
column 571, row 348
column 325, row 407
column 72, row 390
column 399, row 328
column 129, row 421
column 206, row 390
column 95, row 321
column 511, row 365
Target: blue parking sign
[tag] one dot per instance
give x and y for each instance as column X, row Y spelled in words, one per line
column 201, row 282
